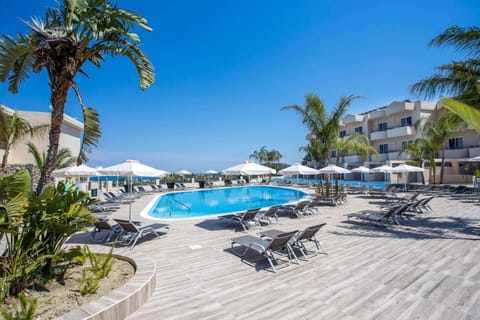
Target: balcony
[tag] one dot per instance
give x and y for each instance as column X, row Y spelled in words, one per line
column 474, row 152
column 353, row 159
column 380, row 113
column 400, row 131
column 352, row 118
column 399, row 107
column 456, row 154
column 378, row 135
column 381, row 158
column 394, row 156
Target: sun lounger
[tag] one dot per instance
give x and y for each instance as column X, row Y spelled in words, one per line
column 132, row 232
column 247, row 219
column 302, row 237
column 299, row 210
column 269, row 249
column 103, row 225
column 381, row 216
column 269, row 214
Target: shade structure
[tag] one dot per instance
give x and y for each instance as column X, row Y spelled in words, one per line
column 405, row 168
column 331, row 168
column 75, row 171
column 297, row 169
column 132, row 168
column 474, row 159
column 183, row 173
column 361, row 169
column 211, row 172
column 249, row 168
column 384, row 168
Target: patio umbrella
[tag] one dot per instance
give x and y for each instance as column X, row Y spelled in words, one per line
column 362, row 170
column 384, row 168
column 474, row 159
column 211, row 172
column 331, row 168
column 75, row 171
column 132, row 168
column 248, row 168
column 183, row 173
column 405, row 168
column 297, row 169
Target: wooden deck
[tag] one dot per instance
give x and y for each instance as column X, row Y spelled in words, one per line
column 427, row 268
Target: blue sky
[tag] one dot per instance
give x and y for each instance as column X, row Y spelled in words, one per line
column 225, row 68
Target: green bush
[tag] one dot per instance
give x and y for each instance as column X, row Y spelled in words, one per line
column 35, row 228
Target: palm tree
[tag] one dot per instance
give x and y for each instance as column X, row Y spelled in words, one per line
column 74, row 33
column 439, row 132
column 324, row 128
column 13, row 128
column 356, row 143
column 274, row 156
column 64, row 157
column 421, row 150
column 458, row 78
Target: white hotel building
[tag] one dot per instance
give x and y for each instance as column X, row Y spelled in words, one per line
column 391, row 126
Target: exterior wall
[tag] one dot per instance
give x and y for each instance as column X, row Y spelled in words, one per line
column 394, row 134
column 69, row 137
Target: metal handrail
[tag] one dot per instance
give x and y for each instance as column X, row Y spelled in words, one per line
column 180, row 203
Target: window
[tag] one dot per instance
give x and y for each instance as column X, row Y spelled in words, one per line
column 455, row 143
column 383, row 148
column 382, row 126
column 406, row 142
column 343, row 133
column 359, row 130
column 334, row 154
column 406, row 121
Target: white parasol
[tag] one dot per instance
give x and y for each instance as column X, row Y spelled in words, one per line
column 298, row 169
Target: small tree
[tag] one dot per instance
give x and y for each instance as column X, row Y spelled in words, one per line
column 12, row 129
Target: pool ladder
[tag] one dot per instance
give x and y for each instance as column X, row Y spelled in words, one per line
column 170, row 200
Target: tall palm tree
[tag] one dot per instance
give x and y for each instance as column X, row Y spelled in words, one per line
column 13, row 128
column 323, row 127
column 457, row 79
column 72, row 34
column 356, row 143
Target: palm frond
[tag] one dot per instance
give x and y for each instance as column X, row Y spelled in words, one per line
column 466, row 40
column 91, row 133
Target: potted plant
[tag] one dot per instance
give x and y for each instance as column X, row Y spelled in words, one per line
column 201, row 181
column 170, row 180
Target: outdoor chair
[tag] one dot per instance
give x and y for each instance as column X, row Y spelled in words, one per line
column 266, row 216
column 103, row 225
column 269, row 249
column 132, row 232
column 381, row 216
column 179, row 186
column 299, row 240
column 299, row 210
column 421, row 205
column 246, row 219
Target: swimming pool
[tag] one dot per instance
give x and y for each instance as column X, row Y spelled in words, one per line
column 353, row 183
column 202, row 203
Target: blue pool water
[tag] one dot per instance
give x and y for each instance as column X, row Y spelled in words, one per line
column 354, row 183
column 201, row 203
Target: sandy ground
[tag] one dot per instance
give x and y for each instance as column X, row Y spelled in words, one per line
column 57, row 299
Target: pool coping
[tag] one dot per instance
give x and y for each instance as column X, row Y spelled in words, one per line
column 148, row 207
column 128, row 298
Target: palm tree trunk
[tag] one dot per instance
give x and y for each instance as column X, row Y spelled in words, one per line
column 442, row 168
column 58, row 100
column 5, row 159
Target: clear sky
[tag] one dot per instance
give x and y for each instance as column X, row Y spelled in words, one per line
column 225, row 68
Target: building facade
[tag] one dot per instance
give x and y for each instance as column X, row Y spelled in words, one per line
column 70, row 137
column 391, row 126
